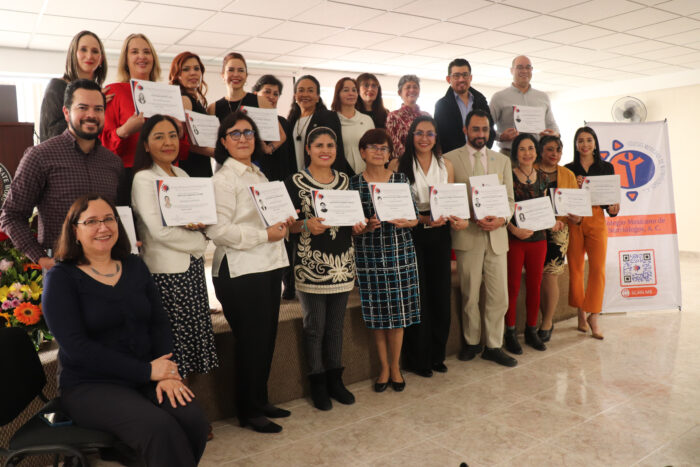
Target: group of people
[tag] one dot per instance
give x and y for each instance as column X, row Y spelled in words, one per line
column 132, row 329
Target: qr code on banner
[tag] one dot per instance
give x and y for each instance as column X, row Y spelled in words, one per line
column 637, row 267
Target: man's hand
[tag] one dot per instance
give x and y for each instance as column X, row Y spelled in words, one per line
column 508, row 134
column 490, row 223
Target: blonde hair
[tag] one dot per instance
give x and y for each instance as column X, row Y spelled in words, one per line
column 72, row 67
column 123, row 74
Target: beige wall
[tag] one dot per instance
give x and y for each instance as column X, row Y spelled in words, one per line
column 678, row 105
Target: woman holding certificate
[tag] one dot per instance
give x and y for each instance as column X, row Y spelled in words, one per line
column 557, row 242
column 526, row 247
column 370, row 101
column 324, row 270
column 247, row 269
column 590, row 237
column 174, row 255
column 386, row 264
column 354, row 124
column 424, row 166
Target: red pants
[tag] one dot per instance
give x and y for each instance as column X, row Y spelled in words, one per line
column 532, row 255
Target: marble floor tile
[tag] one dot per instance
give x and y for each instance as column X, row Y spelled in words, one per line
column 426, row 454
column 682, row 452
column 580, row 398
column 547, row 454
column 536, row 419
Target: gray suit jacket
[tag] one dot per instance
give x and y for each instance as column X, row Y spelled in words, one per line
column 498, row 164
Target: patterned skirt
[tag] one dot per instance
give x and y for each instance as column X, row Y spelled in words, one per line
column 185, row 300
column 557, row 244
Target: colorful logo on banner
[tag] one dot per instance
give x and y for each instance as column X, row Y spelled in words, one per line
column 635, row 167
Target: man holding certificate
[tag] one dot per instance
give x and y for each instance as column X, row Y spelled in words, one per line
column 481, row 248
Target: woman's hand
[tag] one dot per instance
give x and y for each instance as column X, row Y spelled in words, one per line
column 315, row 225
column 522, row 234
column 163, row 368
column 108, row 96
column 579, row 180
column 194, row 226
column 359, row 228
column 458, row 224
column 276, row 232
column 575, row 219
column 439, row 222
column 404, row 223
column 614, row 209
column 175, row 390
column 558, row 225
column 131, row 126
column 373, row 224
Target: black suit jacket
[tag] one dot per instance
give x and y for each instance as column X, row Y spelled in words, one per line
column 329, row 119
column 449, row 120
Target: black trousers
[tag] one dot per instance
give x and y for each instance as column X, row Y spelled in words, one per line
column 251, row 305
column 424, row 344
column 288, row 272
column 162, row 435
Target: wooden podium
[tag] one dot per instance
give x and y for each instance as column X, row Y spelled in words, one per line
column 15, row 138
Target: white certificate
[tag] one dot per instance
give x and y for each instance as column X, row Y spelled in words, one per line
column 266, row 121
column 393, row 201
column 571, row 201
column 273, row 202
column 127, row 219
column 202, row 128
column 529, row 119
column 483, row 180
column 604, row 189
column 185, row 200
column 490, row 200
column 153, row 98
column 535, row 214
column 449, row 199
column 338, row 207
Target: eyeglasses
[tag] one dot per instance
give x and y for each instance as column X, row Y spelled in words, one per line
column 375, row 148
column 109, row 221
column 421, row 133
column 236, row 135
column 524, row 67
column 460, row 75
column 369, row 85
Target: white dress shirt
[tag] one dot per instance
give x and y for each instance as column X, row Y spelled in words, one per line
column 437, row 174
column 240, row 234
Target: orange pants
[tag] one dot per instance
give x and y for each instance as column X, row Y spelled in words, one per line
column 590, row 237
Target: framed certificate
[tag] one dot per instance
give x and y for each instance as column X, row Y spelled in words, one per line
column 153, row 98
column 535, row 214
column 490, row 200
column 202, row 128
column 272, row 202
column 571, row 201
column 338, row 207
column 266, row 121
column 449, row 199
column 604, row 189
column 185, row 200
column 126, row 217
column 392, row 201
column 529, row 119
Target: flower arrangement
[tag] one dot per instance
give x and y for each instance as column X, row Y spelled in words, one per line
column 20, row 294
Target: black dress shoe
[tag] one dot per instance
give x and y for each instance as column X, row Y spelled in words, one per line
column 510, row 342
column 275, row 412
column 398, row 387
column 545, row 335
column 261, row 425
column 533, row 340
column 440, row 367
column 424, row 373
column 380, row 387
column 498, row 356
column 469, row 352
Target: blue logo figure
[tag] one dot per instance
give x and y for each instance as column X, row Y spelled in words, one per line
column 635, row 168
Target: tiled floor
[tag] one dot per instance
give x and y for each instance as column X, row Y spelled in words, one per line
column 632, row 399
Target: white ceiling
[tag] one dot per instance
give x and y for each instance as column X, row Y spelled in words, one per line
column 572, row 43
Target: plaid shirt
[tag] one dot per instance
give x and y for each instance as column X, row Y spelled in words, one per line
column 51, row 176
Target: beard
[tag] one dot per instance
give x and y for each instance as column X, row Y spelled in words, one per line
column 477, row 143
column 84, row 134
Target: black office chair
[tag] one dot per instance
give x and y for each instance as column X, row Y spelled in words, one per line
column 23, row 380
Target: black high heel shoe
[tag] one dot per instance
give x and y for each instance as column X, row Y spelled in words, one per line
column 398, row 387
column 545, row 336
column 380, row 387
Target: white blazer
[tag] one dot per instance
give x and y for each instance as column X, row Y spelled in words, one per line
column 165, row 250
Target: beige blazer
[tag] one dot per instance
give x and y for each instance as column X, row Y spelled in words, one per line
column 498, row 164
column 165, row 250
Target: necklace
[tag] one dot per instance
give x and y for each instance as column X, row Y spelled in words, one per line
column 300, row 130
column 237, row 107
column 106, row 275
column 527, row 176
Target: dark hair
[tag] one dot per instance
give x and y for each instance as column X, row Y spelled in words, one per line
column 295, row 110
column 72, row 67
column 270, row 80
column 458, row 62
column 231, row 56
column 477, row 113
column 174, row 76
column 546, row 139
column 336, row 105
column 68, row 250
column 596, row 151
column 313, row 136
column 220, row 152
column 409, row 154
column 516, row 143
column 82, row 83
column 142, row 158
column 376, row 136
column 380, row 112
